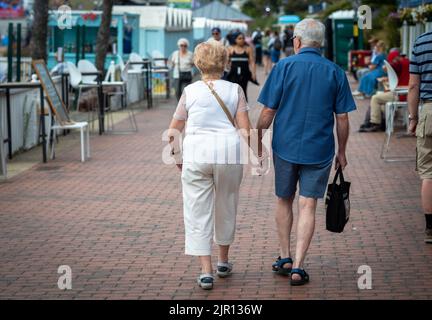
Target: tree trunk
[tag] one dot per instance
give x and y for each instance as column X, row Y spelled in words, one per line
column 103, row 36
column 38, row 43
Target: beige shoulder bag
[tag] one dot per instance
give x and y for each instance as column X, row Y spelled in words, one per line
column 222, row 104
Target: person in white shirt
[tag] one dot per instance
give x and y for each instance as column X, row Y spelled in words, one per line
column 182, row 63
column 217, row 36
column 210, row 163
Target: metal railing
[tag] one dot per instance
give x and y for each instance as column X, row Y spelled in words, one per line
column 26, row 68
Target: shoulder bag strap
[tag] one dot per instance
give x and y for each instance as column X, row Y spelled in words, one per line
column 178, row 61
column 222, row 104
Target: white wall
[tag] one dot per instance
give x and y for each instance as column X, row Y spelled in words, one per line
column 25, row 110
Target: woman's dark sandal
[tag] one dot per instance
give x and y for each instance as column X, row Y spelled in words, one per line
column 304, row 277
column 278, row 266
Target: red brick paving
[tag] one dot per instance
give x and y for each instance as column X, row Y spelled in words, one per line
column 116, row 220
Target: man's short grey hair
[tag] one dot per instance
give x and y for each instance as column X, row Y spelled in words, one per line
column 311, row 32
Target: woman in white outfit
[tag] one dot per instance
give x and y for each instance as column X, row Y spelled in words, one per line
column 210, row 164
column 181, row 61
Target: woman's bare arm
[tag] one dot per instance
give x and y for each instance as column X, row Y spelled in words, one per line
column 252, row 65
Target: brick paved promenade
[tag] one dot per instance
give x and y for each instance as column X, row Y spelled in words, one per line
column 117, row 222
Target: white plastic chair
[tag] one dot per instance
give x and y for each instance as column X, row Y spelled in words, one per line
column 137, row 71
column 123, row 93
column 159, row 63
column 390, row 112
column 78, row 81
column 84, row 137
column 86, row 66
column 135, row 57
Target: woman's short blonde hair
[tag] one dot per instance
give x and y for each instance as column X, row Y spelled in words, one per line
column 210, row 57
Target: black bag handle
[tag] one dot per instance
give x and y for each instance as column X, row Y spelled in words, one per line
column 339, row 173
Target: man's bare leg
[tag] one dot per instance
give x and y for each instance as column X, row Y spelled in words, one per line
column 305, row 230
column 426, row 195
column 284, row 221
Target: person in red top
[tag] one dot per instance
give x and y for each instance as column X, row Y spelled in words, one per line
column 400, row 64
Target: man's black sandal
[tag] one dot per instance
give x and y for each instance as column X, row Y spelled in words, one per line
column 304, row 277
column 278, row 266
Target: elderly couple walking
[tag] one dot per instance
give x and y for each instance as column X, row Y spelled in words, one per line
column 303, row 94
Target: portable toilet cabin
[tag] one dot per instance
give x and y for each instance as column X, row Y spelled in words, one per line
column 77, row 37
column 160, row 27
column 340, row 37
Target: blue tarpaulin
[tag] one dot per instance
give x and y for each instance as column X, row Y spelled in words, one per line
column 288, row 19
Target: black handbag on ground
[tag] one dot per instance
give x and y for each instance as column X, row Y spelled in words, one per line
column 337, row 203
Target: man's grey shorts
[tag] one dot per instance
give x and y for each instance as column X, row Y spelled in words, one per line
column 313, row 179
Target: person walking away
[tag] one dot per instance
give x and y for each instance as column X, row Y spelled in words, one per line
column 217, row 36
column 266, row 52
column 210, row 179
column 181, row 61
column 257, row 41
column 288, row 41
column 275, row 48
column 242, row 63
column 304, row 93
column 420, row 94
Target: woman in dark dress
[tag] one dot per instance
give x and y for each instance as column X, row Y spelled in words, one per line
column 242, row 62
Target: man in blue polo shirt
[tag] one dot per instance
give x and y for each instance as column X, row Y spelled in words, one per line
column 303, row 94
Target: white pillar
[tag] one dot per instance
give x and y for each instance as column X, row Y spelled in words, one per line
column 405, row 38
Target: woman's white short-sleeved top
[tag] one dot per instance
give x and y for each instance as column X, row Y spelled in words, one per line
column 210, row 136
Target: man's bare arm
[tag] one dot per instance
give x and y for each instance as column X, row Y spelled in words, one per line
column 264, row 122
column 342, row 130
column 266, row 118
column 413, row 100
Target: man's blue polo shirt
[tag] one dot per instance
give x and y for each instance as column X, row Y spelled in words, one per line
column 306, row 90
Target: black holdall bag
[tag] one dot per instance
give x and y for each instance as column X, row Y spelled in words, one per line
column 337, row 203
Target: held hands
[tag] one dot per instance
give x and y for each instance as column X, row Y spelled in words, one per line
column 263, row 161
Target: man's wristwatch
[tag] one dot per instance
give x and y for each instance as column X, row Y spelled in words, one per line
column 412, row 118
